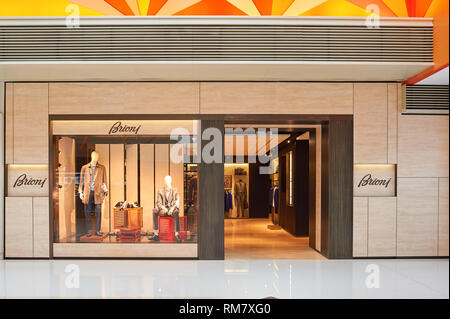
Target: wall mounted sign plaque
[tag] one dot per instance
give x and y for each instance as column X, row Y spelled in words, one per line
column 374, row 180
column 27, row 181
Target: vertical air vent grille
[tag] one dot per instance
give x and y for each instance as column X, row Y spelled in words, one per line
column 426, row 99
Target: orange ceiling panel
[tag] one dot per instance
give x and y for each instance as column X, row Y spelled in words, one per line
column 122, row 6
column 155, row 6
column 211, row 7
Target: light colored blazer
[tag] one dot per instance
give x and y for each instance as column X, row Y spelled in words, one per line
column 86, row 181
column 173, row 198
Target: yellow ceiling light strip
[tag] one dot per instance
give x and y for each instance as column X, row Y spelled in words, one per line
column 143, row 6
column 45, row 8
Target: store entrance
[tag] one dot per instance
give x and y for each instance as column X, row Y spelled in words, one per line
column 270, row 188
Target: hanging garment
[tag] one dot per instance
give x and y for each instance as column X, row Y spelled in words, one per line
column 271, row 190
column 228, row 201
column 276, row 198
column 192, row 191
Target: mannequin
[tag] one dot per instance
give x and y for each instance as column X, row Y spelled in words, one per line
column 92, row 190
column 240, row 196
column 167, row 204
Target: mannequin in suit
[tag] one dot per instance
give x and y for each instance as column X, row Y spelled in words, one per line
column 167, row 204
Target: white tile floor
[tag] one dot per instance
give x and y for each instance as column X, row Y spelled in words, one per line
column 226, row 279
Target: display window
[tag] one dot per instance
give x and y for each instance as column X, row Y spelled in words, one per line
column 120, row 182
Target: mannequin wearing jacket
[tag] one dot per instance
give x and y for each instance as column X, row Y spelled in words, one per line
column 92, row 190
column 167, row 204
column 240, row 196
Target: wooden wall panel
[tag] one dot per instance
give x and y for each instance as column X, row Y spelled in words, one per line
column 360, row 226
column 417, row 216
column 443, row 216
column 382, row 227
column 392, row 118
column 9, row 123
column 340, row 189
column 124, row 98
column 371, row 123
column 104, row 159
column 147, row 171
column 41, row 229
column 423, row 146
column 30, row 123
column 275, row 98
column 211, row 204
column 19, row 227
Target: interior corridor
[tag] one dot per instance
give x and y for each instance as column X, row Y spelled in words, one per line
column 251, row 239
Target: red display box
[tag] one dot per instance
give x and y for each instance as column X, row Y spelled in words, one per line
column 166, row 228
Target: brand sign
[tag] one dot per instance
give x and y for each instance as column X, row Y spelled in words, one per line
column 28, row 180
column 374, row 180
column 119, row 128
column 123, row 127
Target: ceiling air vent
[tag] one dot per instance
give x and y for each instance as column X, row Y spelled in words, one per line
column 426, row 99
column 165, row 42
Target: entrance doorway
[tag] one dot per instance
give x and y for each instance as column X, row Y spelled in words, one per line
column 272, row 191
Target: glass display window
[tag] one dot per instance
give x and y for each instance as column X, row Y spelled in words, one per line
column 131, row 184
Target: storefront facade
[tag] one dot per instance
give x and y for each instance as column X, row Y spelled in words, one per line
column 383, row 178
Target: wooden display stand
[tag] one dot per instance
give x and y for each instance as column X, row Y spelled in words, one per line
column 129, row 221
column 130, row 218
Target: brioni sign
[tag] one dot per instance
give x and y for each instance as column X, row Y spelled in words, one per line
column 374, row 180
column 27, row 180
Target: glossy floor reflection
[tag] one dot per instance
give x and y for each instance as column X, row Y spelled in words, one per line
column 225, row 279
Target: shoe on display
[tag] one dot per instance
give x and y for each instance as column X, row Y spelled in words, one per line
column 99, row 234
column 89, row 234
column 154, row 237
column 178, row 238
column 124, row 205
column 119, row 204
column 135, row 205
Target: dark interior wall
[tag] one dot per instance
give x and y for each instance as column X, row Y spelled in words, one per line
column 312, row 189
column 295, row 220
column 259, row 185
column 286, row 212
column 211, row 203
column 301, row 188
column 337, row 189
